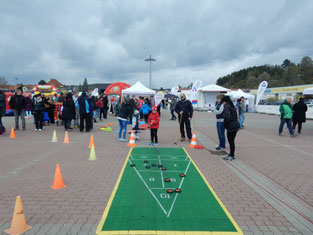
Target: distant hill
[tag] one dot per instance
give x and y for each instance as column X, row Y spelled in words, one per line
column 286, row 74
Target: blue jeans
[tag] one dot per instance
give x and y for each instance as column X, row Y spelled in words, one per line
column 241, row 119
column 123, row 127
column 221, row 133
column 281, row 126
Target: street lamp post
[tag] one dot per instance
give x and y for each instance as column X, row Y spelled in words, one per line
column 150, row 59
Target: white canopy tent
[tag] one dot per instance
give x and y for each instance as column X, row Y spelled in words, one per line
column 308, row 91
column 249, row 98
column 138, row 89
column 207, row 95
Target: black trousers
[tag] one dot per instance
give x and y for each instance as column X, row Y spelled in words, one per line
column 103, row 112
column 231, row 135
column 185, row 122
column 146, row 117
column 51, row 115
column 85, row 119
column 154, row 135
column 38, row 119
column 299, row 126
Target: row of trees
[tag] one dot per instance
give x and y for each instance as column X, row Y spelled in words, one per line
column 286, row 74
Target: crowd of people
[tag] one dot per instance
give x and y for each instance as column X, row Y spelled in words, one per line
column 80, row 108
column 86, row 109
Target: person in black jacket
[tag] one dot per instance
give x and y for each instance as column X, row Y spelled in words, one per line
column 68, row 112
column 125, row 112
column 2, row 112
column 299, row 110
column 37, row 110
column 184, row 110
column 83, row 106
column 18, row 104
column 231, row 124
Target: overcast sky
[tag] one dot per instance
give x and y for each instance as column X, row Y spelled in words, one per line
column 107, row 41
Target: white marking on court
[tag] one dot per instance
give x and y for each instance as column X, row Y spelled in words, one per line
column 162, row 188
column 155, row 159
column 149, row 189
column 181, row 183
column 161, row 172
column 156, row 171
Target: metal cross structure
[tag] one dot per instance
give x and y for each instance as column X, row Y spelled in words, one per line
column 150, row 59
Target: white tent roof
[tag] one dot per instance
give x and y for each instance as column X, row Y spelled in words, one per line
column 239, row 93
column 308, row 91
column 138, row 89
column 213, row 88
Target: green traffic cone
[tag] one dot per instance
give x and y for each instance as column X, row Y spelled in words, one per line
column 54, row 137
column 92, row 155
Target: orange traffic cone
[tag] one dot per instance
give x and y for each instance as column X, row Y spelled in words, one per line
column 193, row 140
column 92, row 142
column 58, row 180
column 12, row 133
column 18, row 224
column 132, row 140
column 66, row 139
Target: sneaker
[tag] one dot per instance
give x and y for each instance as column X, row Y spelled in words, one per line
column 182, row 139
column 219, row 149
column 231, row 158
column 24, row 129
column 120, row 139
column 189, row 140
column 293, row 135
column 226, row 157
column 16, row 129
column 75, row 126
column 151, row 144
column 155, row 144
column 39, row 129
column 124, row 140
column 136, row 137
column 280, row 134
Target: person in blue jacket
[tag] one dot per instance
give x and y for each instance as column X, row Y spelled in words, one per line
column 145, row 110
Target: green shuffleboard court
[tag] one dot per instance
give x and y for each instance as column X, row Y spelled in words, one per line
column 141, row 204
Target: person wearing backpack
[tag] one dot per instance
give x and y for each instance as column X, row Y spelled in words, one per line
column 231, row 124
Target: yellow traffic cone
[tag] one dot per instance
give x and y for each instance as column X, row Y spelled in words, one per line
column 92, row 155
column 18, row 224
column 54, row 137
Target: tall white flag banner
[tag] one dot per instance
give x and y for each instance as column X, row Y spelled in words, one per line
column 261, row 89
column 95, row 92
column 158, row 97
column 195, row 88
column 174, row 90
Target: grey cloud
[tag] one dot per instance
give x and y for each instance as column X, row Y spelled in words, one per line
column 109, row 40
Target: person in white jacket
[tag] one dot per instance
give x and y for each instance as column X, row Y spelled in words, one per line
column 219, row 108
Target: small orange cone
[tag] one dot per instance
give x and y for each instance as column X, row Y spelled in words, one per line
column 12, row 136
column 132, row 140
column 58, row 180
column 66, row 139
column 193, row 140
column 18, row 224
column 92, row 142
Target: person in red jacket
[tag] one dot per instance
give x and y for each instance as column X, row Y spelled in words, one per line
column 153, row 123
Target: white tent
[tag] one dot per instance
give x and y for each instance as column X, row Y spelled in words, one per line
column 239, row 93
column 249, row 98
column 308, row 91
column 207, row 95
column 138, row 89
column 214, row 88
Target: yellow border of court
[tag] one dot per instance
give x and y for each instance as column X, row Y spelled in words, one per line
column 108, row 206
